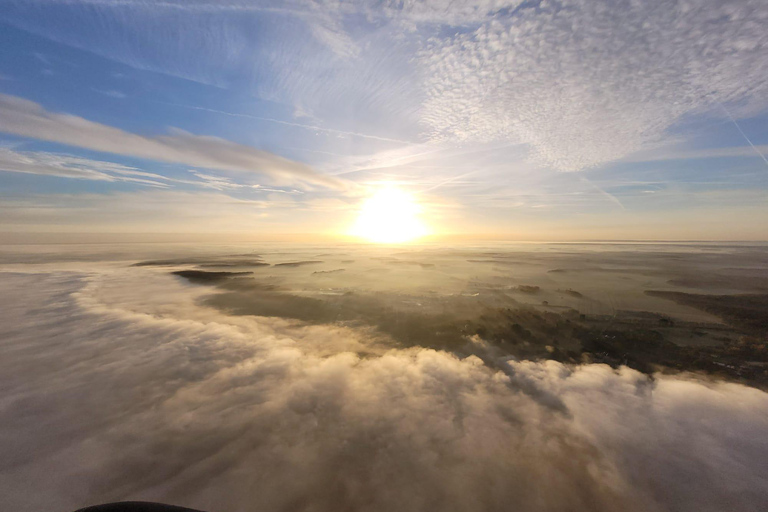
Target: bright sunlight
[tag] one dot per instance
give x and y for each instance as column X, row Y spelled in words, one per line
column 390, row 216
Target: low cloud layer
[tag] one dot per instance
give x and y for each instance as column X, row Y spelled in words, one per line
column 119, row 387
column 28, row 119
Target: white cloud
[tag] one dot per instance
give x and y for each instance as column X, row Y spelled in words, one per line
column 216, row 182
column 29, row 119
column 119, row 386
column 585, row 82
column 112, row 93
column 582, row 82
column 65, row 166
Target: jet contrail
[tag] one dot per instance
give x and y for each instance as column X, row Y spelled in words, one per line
column 288, row 123
column 449, row 180
column 743, row 134
column 605, row 194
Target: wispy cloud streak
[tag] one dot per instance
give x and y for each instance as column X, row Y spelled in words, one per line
column 310, row 127
column 26, row 118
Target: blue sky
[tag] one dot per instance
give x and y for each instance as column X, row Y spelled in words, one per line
column 532, row 120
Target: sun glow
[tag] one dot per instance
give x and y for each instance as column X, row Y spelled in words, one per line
column 390, row 216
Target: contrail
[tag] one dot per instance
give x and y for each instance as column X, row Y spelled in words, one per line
column 743, row 134
column 449, row 180
column 288, row 123
column 607, row 195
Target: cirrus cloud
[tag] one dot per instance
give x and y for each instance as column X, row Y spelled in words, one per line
column 586, row 82
column 28, row 119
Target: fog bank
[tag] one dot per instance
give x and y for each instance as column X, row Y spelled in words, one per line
column 115, row 389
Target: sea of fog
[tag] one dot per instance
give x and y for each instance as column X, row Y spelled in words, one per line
column 121, row 381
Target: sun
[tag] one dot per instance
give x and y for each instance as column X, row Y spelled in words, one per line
column 390, row 216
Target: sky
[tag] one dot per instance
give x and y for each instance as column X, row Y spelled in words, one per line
column 533, row 120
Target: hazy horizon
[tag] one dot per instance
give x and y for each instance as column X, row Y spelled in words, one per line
column 23, row 238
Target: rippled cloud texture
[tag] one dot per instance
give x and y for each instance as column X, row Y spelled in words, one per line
column 582, row 82
column 125, row 389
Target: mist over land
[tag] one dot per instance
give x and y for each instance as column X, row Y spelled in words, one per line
column 282, row 377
